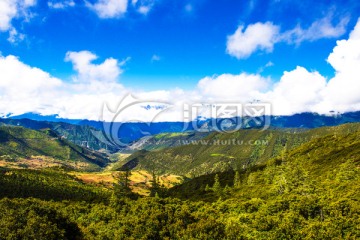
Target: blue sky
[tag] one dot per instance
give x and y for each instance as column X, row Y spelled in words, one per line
column 162, row 45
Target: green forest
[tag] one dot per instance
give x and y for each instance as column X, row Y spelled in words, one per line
column 307, row 187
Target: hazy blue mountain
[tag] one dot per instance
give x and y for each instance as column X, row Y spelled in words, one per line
column 128, row 133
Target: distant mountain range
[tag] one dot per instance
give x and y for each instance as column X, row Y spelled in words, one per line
column 95, row 134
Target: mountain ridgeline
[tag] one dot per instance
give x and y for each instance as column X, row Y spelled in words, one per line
column 91, row 133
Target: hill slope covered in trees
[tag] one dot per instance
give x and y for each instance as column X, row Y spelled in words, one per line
column 18, row 143
column 225, row 151
column 309, row 192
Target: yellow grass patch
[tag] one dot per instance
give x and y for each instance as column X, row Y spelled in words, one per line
column 140, row 181
column 40, row 162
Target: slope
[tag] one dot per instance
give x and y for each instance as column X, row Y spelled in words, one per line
column 322, row 162
column 241, row 149
column 81, row 135
column 21, row 143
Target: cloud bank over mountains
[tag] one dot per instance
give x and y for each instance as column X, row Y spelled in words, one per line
column 24, row 88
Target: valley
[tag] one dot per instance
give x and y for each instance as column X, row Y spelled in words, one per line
column 249, row 184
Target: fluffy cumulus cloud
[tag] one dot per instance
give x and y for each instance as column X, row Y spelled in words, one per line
column 300, row 90
column 24, row 88
column 109, row 8
column 263, row 36
column 343, row 91
column 297, row 91
column 243, row 87
column 108, row 71
column 27, row 89
column 258, row 36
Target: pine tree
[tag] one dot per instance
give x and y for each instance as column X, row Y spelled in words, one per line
column 217, row 187
column 154, row 185
column 227, row 190
column 237, row 180
column 122, row 185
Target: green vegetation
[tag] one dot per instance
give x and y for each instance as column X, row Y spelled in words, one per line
column 308, row 191
column 165, row 140
column 48, row 184
column 81, row 135
column 220, row 152
column 19, row 142
column 171, row 135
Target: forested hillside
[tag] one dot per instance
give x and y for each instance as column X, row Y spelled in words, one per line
column 18, row 143
column 81, row 135
column 224, row 151
column 311, row 191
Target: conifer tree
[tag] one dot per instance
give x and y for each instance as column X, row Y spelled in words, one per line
column 122, row 185
column 217, row 187
column 237, row 181
column 154, row 185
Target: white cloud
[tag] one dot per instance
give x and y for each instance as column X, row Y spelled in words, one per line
column 109, row 8
column 108, row 71
column 24, row 88
column 155, row 58
column 263, row 36
column 300, row 90
column 11, row 9
column 343, row 91
column 258, row 36
column 61, row 4
column 144, row 9
column 297, row 91
column 319, row 29
column 243, row 87
column 269, row 64
column 27, row 89
column 8, row 11
column 143, row 6
column 15, row 37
